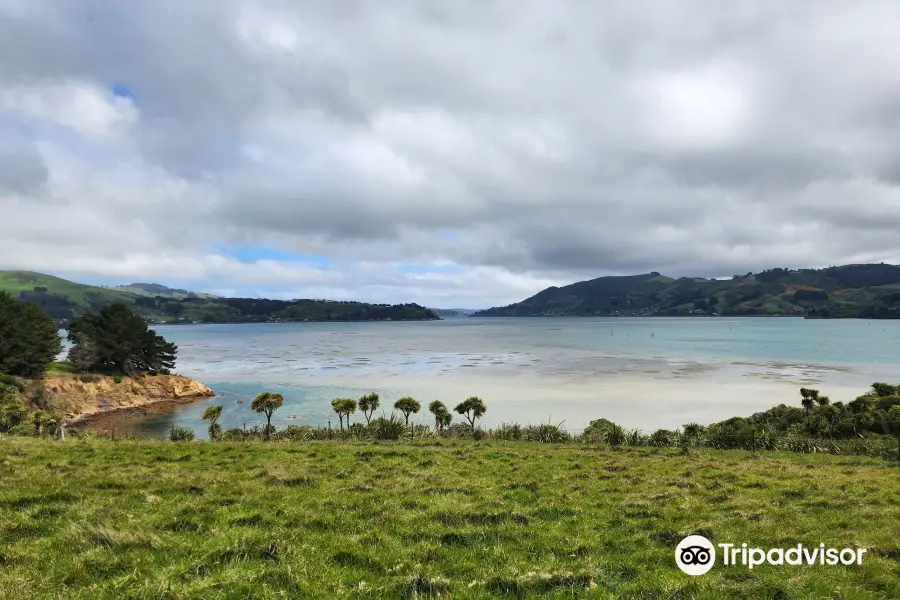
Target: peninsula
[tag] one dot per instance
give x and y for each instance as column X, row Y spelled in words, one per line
column 65, row 300
column 870, row 291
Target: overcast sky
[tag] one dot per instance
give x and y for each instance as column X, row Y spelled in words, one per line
column 465, row 153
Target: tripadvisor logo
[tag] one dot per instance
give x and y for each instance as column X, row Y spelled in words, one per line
column 696, row 555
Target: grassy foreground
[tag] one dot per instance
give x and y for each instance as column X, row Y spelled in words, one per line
column 454, row 519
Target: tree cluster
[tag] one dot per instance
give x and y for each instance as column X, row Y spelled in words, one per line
column 29, row 339
column 119, row 341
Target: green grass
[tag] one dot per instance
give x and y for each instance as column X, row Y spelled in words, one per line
column 56, row 368
column 455, row 519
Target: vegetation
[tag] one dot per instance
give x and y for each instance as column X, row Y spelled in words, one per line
column 432, row 519
column 180, row 434
column 472, row 409
column 12, row 412
column 212, row 414
column 442, row 416
column 64, row 301
column 344, row 407
column 864, row 291
column 267, row 403
column 407, row 406
column 117, row 340
column 28, row 338
column 368, row 404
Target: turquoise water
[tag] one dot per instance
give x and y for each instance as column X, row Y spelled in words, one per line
column 653, row 372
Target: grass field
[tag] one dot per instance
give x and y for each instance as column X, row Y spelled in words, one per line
column 453, row 519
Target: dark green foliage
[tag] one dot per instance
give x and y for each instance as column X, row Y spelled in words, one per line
column 11, row 410
column 267, row 403
column 12, row 381
column 180, row 434
column 29, row 340
column 390, row 428
column 866, row 416
column 407, row 406
column 442, row 416
column 117, row 340
column 472, row 409
column 368, row 404
column 212, row 414
column 893, row 424
column 344, row 407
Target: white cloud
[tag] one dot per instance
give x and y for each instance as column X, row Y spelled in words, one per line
column 83, row 107
column 526, row 143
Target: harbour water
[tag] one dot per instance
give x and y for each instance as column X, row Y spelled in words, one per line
column 644, row 373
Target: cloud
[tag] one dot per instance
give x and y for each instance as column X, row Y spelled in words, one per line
column 523, row 144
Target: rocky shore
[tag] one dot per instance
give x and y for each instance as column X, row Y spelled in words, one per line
column 100, row 402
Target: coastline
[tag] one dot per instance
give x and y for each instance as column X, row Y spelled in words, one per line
column 122, row 421
column 97, row 402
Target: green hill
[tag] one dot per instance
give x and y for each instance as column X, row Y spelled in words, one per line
column 64, row 300
column 155, row 289
column 862, row 291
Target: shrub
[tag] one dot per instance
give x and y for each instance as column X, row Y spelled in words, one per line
column 547, row 434
column 11, row 410
column 507, row 431
column 180, row 434
column 886, row 402
column 13, row 381
column 694, row 430
column 662, row 438
column 22, row 429
column 386, row 429
column 117, row 378
column 634, row 437
column 615, row 435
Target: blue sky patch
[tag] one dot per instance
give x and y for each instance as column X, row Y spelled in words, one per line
column 120, row 90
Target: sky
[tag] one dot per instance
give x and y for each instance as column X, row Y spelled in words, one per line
column 453, row 154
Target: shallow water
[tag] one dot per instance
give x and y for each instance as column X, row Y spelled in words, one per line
column 646, row 373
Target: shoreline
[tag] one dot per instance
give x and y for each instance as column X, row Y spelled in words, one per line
column 123, row 419
column 91, row 401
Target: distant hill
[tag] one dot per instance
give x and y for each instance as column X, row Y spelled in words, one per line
column 64, row 300
column 861, row 291
column 454, row 312
column 155, row 289
column 60, row 298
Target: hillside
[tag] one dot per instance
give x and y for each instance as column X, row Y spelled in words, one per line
column 861, row 291
column 63, row 300
column 453, row 312
column 155, row 289
column 102, row 519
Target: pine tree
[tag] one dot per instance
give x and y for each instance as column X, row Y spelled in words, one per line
column 117, row 340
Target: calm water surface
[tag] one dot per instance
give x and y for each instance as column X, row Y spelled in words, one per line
column 647, row 373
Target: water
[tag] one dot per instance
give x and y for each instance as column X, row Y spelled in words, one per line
column 646, row 373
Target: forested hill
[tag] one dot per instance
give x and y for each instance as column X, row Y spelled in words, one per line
column 863, row 291
column 63, row 300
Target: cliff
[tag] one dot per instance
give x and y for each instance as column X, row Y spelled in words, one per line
column 80, row 397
